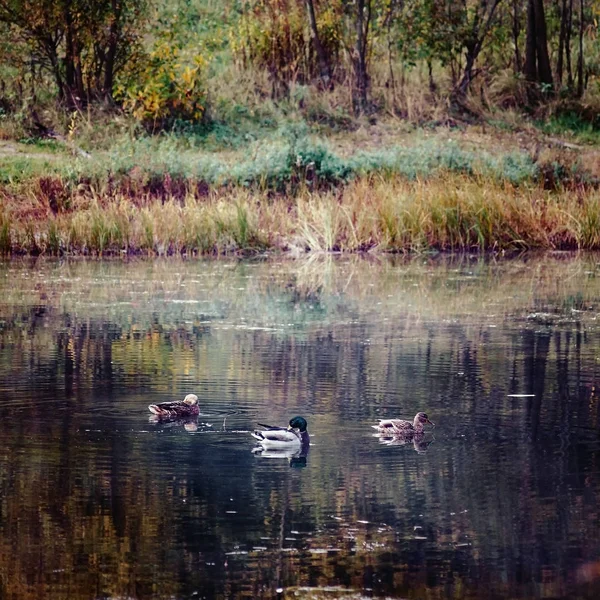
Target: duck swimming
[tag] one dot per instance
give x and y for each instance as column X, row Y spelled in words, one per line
column 295, row 437
column 188, row 407
column 399, row 427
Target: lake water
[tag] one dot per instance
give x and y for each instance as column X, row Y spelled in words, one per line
column 500, row 500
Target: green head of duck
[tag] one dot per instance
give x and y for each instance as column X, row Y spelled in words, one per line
column 298, row 423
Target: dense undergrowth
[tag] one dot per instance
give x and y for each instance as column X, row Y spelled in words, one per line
column 288, row 186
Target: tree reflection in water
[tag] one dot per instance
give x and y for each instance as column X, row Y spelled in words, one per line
column 95, row 501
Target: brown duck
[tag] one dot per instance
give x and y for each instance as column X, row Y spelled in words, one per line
column 399, row 427
column 188, row 407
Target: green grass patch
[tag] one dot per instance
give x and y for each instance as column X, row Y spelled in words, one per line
column 18, row 168
column 42, row 145
column 572, row 124
column 293, row 159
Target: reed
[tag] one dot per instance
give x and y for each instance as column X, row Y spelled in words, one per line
column 386, row 213
column 5, row 236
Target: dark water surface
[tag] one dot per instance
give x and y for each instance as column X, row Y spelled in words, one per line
column 501, row 500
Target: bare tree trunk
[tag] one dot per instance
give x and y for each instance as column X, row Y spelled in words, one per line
column 432, row 86
column 32, row 81
column 69, row 57
column 75, row 91
column 81, row 95
column 543, row 58
column 471, row 55
column 580, row 82
column 60, row 84
column 561, row 42
column 363, row 19
column 568, row 45
column 321, row 54
column 390, row 44
column 109, row 64
column 530, row 66
column 537, row 61
column 516, row 30
column 482, row 22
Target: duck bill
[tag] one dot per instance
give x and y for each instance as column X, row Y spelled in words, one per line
column 430, row 422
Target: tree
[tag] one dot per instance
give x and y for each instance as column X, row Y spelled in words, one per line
column 563, row 39
column 359, row 57
column 321, row 54
column 82, row 43
column 580, row 82
column 537, row 61
column 516, row 32
column 445, row 31
column 478, row 20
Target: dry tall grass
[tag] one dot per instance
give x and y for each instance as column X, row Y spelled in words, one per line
column 374, row 213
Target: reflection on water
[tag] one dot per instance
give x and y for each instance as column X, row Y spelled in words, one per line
column 500, row 501
column 420, row 443
column 188, row 423
column 297, row 457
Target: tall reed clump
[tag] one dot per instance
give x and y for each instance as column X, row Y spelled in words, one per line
column 117, row 226
column 386, row 213
column 586, row 222
column 448, row 213
column 5, row 235
column 320, row 223
column 97, row 229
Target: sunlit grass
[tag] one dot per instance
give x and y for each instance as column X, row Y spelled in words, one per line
column 376, row 213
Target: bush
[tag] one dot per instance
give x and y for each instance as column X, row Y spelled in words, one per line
column 166, row 89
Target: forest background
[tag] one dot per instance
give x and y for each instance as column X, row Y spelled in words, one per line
column 211, row 126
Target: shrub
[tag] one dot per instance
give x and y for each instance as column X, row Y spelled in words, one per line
column 165, row 90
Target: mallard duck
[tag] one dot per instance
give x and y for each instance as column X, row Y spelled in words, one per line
column 399, row 427
column 188, row 407
column 281, row 438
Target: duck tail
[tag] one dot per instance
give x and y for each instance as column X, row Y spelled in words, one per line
column 257, row 435
column 155, row 410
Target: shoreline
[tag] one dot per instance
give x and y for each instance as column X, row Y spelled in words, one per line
column 445, row 190
column 377, row 214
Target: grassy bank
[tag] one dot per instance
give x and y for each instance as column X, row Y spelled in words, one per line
column 385, row 187
column 288, row 159
column 221, row 135
column 378, row 213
